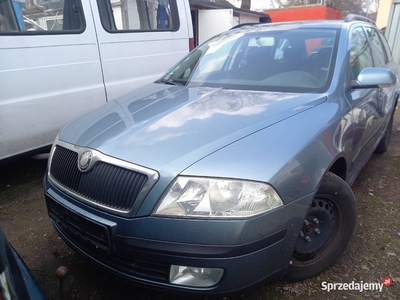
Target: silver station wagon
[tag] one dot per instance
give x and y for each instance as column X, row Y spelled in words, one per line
column 235, row 167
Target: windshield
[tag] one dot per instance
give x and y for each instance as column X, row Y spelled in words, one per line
column 291, row 60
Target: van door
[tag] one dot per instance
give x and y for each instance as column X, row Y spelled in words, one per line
column 50, row 70
column 139, row 40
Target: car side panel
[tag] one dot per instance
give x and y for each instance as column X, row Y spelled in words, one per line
column 371, row 111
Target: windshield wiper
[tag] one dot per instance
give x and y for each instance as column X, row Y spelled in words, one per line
column 170, row 81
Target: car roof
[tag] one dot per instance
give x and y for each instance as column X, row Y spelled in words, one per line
column 291, row 25
column 332, row 24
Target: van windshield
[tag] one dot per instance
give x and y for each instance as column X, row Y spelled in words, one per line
column 291, row 60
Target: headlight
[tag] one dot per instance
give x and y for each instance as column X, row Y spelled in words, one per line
column 217, row 198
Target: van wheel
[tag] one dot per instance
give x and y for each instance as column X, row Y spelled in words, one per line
column 326, row 231
column 384, row 143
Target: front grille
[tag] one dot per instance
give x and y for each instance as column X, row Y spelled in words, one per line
column 105, row 184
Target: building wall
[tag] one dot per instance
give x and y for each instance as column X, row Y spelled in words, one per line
column 236, row 21
column 383, row 13
column 243, row 18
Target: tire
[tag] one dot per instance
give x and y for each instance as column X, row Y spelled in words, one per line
column 326, row 231
column 384, row 143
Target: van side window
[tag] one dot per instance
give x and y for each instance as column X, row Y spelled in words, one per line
column 8, row 23
column 139, row 15
column 40, row 17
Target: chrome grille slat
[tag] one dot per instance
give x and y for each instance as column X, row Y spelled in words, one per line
column 104, row 184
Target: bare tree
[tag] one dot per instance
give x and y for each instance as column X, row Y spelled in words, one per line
column 246, row 4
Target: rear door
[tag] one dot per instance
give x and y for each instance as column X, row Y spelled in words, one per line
column 139, row 40
column 381, row 60
column 49, row 70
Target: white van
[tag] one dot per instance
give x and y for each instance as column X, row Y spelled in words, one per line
column 61, row 58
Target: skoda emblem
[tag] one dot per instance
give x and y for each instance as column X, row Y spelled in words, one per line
column 84, row 160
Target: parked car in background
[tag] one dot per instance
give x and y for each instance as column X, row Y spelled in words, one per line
column 235, row 167
column 16, row 281
column 60, row 59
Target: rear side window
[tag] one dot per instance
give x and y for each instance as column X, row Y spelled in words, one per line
column 360, row 52
column 378, row 51
column 139, row 15
column 41, row 17
column 387, row 48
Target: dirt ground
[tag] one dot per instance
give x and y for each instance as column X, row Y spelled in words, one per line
column 373, row 254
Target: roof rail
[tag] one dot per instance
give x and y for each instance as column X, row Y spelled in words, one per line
column 353, row 17
column 244, row 24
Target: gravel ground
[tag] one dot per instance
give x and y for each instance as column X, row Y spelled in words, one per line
column 373, row 254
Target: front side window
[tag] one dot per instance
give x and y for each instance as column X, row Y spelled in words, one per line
column 275, row 60
column 40, row 17
column 138, row 15
column 360, row 52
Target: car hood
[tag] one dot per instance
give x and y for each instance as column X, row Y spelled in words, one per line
column 168, row 128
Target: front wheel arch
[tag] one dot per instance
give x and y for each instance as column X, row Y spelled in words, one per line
column 339, row 168
column 334, row 207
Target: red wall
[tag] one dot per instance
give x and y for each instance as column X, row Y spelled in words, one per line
column 304, row 13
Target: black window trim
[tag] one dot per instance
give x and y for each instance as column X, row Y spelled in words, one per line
column 48, row 32
column 106, row 16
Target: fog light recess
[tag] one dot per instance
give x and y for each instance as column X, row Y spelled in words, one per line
column 195, row 276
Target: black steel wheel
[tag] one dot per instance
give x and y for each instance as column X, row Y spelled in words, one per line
column 326, row 231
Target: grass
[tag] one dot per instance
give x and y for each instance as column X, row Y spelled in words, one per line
column 387, row 240
column 376, row 199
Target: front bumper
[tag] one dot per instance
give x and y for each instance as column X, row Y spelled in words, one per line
column 142, row 250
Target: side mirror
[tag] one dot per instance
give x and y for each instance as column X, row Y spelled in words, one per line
column 374, row 78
